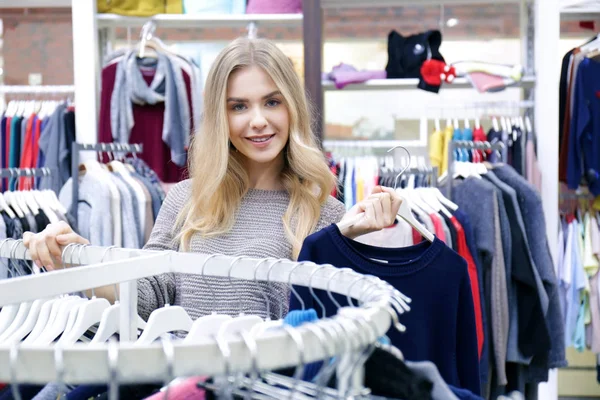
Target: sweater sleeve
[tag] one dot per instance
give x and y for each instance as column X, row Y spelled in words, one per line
column 331, row 213
column 466, row 339
column 580, row 122
column 155, row 291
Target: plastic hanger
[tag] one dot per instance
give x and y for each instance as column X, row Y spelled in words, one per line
column 207, row 325
column 5, row 207
column 10, row 199
column 165, row 319
column 9, row 312
column 37, row 311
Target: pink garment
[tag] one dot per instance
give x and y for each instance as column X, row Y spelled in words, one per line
column 439, row 228
column 274, row 7
column 533, row 173
column 485, row 82
column 186, row 390
column 344, row 74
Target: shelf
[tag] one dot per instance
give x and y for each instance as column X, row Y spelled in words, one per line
column 403, row 84
column 401, row 3
column 200, row 20
column 577, row 10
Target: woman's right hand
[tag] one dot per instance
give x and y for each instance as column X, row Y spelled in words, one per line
column 46, row 247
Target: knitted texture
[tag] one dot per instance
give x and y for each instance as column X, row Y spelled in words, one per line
column 257, row 232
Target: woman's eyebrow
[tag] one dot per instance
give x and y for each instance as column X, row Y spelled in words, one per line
column 242, row 100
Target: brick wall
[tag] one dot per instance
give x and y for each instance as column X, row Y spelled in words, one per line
column 40, row 40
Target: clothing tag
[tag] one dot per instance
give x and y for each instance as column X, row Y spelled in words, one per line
column 381, row 261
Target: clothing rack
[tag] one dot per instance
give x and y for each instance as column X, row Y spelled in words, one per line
column 464, row 144
column 98, row 148
column 33, row 89
column 24, row 172
column 131, row 363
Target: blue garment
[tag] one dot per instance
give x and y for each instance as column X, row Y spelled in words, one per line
column 26, row 392
column 214, row 6
column 573, row 290
column 354, row 201
column 463, row 218
column 14, row 157
column 41, row 160
column 154, row 195
column 464, row 394
column 296, row 318
column 136, row 207
column 584, row 142
column 441, row 322
column 3, row 159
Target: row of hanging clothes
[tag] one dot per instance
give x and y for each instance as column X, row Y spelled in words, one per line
column 516, row 133
column 153, row 96
column 358, row 169
column 115, row 203
column 577, row 271
column 37, row 127
column 524, row 324
column 59, row 322
column 26, row 210
column 579, row 135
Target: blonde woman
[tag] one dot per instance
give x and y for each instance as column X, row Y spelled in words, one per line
column 258, row 186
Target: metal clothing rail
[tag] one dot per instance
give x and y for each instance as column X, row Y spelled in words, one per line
column 100, row 363
column 465, row 144
column 24, row 172
column 33, row 89
column 98, row 148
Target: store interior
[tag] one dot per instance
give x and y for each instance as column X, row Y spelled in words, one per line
column 479, row 115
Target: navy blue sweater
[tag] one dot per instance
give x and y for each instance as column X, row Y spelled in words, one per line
column 441, row 322
column 584, row 140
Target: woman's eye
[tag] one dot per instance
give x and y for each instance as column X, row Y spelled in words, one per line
column 273, row 103
column 238, row 107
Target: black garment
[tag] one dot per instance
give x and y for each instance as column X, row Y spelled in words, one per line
column 562, row 95
column 69, row 119
column 41, row 220
column 25, row 224
column 407, row 54
column 516, row 150
column 387, row 376
column 27, row 392
column 533, row 337
column 129, row 392
column 453, row 233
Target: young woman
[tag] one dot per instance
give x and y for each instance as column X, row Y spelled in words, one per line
column 258, row 186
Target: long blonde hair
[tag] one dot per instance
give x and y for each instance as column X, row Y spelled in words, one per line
column 219, row 180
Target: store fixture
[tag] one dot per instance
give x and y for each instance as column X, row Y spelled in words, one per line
column 101, row 363
column 33, row 89
column 99, row 148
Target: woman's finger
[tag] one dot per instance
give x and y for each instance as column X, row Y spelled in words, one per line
column 386, row 203
column 44, row 255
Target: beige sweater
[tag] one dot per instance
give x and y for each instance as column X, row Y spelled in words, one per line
column 257, row 232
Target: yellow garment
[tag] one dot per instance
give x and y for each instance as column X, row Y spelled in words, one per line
column 590, row 264
column 596, row 203
column 174, row 7
column 448, row 132
column 436, row 149
column 133, row 8
column 360, row 186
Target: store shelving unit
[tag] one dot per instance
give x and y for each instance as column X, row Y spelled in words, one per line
column 527, row 82
column 578, row 10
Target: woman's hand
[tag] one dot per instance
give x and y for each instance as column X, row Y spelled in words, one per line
column 46, row 247
column 378, row 211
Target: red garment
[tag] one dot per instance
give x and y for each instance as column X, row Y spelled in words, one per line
column 185, row 390
column 147, row 129
column 417, row 238
column 439, row 228
column 479, row 136
column 26, row 155
column 463, row 250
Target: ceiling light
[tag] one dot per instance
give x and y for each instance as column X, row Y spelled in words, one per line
column 452, row 22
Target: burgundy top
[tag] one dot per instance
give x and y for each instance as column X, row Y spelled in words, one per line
column 147, row 128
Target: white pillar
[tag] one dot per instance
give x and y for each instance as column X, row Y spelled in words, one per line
column 86, row 66
column 547, row 71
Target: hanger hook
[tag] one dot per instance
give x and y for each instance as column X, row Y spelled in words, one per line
column 226, row 353
column 59, row 365
column 318, row 330
column 294, row 291
column 312, row 291
column 212, row 290
column 253, row 349
column 339, row 271
column 299, row 372
column 405, row 167
column 279, row 261
column 235, row 260
column 64, row 253
column 113, row 365
column 101, row 261
column 169, row 352
column 14, row 357
column 264, row 289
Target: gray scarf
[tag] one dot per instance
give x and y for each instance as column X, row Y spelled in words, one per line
column 130, row 87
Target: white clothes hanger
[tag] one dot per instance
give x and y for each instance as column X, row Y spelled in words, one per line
column 35, row 313
column 41, row 321
column 57, row 325
column 5, row 207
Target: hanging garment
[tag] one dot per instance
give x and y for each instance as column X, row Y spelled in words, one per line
column 534, row 221
column 135, row 8
column 274, row 7
column 55, row 148
column 436, row 149
column 215, row 7
column 430, row 268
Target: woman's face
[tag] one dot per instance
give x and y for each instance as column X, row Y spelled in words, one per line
column 258, row 116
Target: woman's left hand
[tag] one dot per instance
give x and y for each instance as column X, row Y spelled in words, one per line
column 378, row 211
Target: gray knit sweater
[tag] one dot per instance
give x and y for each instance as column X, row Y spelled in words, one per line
column 257, row 232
